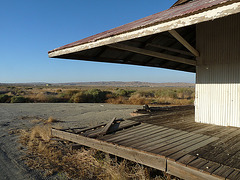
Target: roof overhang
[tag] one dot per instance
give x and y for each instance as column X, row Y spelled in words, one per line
column 143, row 45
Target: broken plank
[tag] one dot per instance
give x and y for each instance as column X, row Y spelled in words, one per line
column 121, row 126
column 103, row 130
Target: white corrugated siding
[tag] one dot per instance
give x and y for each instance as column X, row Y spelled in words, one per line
column 218, row 72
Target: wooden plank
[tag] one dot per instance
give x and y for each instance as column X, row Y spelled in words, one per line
column 205, row 129
column 197, row 144
column 158, row 139
column 163, row 132
column 194, row 127
column 179, row 125
column 196, row 164
column 226, row 139
column 210, row 167
column 187, row 173
column 139, row 137
column 110, row 128
column 226, row 154
column 95, row 127
column 180, row 149
column 186, row 159
column 148, row 159
column 136, row 135
column 153, row 54
column 178, row 142
column 219, row 132
column 235, row 175
column 103, row 130
column 126, row 133
column 123, row 125
column 175, row 34
column 223, row 171
column 81, row 130
column 149, row 140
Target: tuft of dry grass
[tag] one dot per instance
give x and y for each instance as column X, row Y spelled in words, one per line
column 51, row 120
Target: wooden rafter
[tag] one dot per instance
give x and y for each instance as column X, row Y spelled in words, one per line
column 171, row 49
column 153, row 54
column 175, row 34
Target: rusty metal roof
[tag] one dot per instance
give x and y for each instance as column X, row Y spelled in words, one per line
column 179, row 9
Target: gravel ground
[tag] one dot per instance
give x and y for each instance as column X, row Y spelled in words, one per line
column 24, row 116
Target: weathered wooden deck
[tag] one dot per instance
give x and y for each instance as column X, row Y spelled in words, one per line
column 171, row 142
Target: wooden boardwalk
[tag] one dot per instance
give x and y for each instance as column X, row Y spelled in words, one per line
column 179, row 147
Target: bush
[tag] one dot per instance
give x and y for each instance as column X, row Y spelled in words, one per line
column 137, row 99
column 167, row 93
column 80, row 97
column 96, row 95
column 4, row 98
column 18, row 99
column 123, row 92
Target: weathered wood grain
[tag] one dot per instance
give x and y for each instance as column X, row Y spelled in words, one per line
column 187, row 173
column 175, row 143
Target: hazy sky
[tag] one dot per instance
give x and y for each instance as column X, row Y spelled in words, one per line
column 30, row 28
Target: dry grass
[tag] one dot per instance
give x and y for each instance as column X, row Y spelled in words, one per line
column 137, row 99
column 118, row 100
column 58, row 158
column 51, row 120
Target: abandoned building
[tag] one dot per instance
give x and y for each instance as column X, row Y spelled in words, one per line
column 200, row 36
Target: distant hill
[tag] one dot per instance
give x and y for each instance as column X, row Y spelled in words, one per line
column 107, row 83
column 130, row 84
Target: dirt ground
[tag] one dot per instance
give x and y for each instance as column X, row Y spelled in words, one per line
column 14, row 117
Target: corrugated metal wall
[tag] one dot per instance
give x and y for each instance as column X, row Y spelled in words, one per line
column 218, row 72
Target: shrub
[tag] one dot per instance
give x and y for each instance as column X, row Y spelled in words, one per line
column 137, row 99
column 167, row 93
column 4, row 98
column 123, row 92
column 18, row 99
column 148, row 94
column 80, row 97
column 96, row 95
column 117, row 100
column 70, row 93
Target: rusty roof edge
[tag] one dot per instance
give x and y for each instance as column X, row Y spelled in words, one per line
column 225, row 3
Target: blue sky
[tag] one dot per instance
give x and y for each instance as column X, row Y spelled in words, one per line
column 30, row 28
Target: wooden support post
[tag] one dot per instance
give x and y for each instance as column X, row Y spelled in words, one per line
column 175, row 34
column 153, row 54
